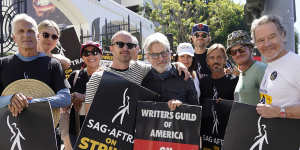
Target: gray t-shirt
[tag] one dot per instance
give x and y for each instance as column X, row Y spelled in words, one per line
column 247, row 88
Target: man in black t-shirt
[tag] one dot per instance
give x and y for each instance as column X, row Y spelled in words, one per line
column 200, row 39
column 218, row 84
column 30, row 64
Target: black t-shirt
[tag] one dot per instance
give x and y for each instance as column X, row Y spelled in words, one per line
column 220, row 88
column 201, row 66
column 80, row 85
column 45, row 69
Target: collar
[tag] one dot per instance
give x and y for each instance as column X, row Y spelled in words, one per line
column 31, row 58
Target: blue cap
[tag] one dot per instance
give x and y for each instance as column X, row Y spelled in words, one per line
column 200, row 28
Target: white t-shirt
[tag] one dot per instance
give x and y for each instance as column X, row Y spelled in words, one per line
column 281, row 82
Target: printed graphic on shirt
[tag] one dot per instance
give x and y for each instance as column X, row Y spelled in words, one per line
column 265, row 99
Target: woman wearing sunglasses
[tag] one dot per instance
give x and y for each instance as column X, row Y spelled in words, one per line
column 185, row 55
column 91, row 54
column 47, row 39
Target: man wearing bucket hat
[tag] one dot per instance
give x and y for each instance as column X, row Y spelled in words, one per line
column 30, row 64
column 240, row 48
column 200, row 39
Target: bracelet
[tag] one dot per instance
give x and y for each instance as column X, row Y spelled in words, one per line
column 282, row 112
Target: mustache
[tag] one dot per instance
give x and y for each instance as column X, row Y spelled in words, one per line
column 216, row 64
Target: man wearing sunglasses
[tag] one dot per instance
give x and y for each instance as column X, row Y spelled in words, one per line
column 200, row 39
column 122, row 48
column 30, row 64
column 240, row 47
column 280, row 86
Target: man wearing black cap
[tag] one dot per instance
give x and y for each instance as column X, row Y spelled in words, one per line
column 200, row 40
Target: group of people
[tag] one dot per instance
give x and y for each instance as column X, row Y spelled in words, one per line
column 200, row 72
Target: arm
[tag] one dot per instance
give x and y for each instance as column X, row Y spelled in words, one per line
column 91, row 89
column 181, row 68
column 5, row 100
column 61, row 99
column 269, row 111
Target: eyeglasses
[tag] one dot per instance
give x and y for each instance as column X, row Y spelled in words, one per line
column 203, row 35
column 87, row 53
column 234, row 52
column 156, row 55
column 47, row 35
column 122, row 44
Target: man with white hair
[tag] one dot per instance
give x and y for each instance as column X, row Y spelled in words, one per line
column 122, row 48
column 31, row 64
column 280, row 86
column 163, row 77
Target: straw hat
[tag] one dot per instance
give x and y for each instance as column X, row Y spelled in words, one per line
column 35, row 89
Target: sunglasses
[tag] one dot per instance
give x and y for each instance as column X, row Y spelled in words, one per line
column 234, row 52
column 87, row 53
column 122, row 44
column 156, row 55
column 203, row 35
column 47, row 35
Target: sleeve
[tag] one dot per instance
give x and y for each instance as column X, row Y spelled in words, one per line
column 192, row 97
column 145, row 68
column 92, row 86
column 61, row 99
column 59, row 80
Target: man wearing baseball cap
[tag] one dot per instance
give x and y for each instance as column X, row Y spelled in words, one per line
column 200, row 39
column 240, row 48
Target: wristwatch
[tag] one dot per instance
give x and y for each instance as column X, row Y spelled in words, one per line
column 282, row 112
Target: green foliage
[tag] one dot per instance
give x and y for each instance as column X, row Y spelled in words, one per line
column 178, row 17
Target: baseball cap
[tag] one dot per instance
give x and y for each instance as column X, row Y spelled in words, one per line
column 200, row 27
column 185, row 48
column 90, row 43
column 238, row 37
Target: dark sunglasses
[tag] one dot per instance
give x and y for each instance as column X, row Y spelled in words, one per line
column 234, row 52
column 47, row 35
column 156, row 55
column 122, row 44
column 87, row 53
column 203, row 35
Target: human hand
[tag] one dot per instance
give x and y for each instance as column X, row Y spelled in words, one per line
column 77, row 100
column 173, row 104
column 268, row 111
column 182, row 68
column 17, row 103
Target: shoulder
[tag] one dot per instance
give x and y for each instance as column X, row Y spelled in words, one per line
column 260, row 66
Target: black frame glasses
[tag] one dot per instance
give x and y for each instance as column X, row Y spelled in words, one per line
column 163, row 54
column 46, row 35
column 203, row 35
column 122, row 44
column 87, row 53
